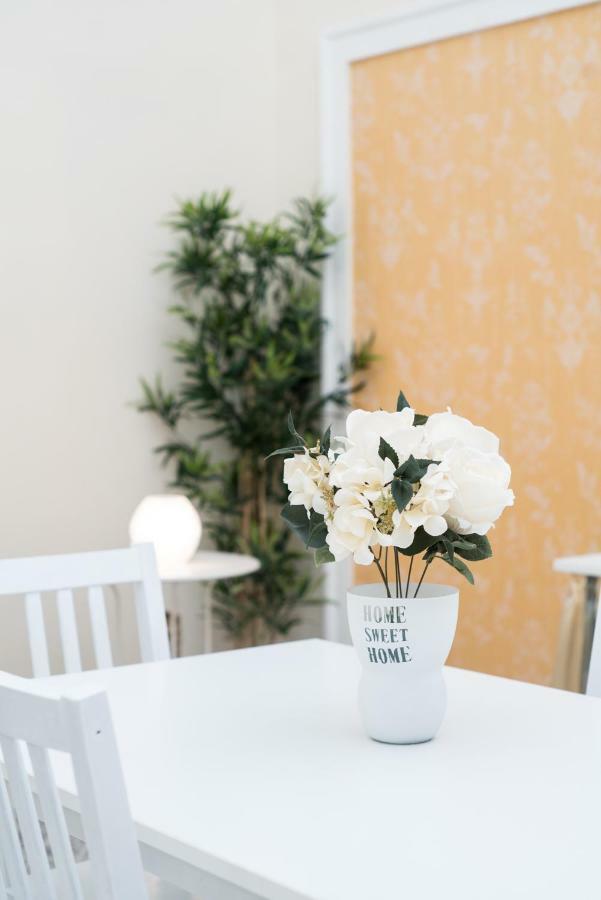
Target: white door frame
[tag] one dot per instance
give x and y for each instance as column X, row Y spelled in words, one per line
column 413, row 24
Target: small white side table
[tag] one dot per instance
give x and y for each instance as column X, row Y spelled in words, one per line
column 204, row 569
column 588, row 567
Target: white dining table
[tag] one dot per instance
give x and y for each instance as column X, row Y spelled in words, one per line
column 249, row 775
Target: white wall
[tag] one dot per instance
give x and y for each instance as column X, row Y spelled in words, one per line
column 298, row 29
column 109, row 112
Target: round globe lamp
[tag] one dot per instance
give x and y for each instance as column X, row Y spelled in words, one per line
column 170, row 522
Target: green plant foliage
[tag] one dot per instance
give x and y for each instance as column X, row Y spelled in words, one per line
column 249, row 351
column 402, row 402
column 450, row 546
column 413, row 470
column 385, row 451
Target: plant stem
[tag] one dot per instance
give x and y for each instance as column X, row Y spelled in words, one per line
column 386, row 564
column 397, row 572
column 419, row 583
column 409, row 576
column 382, row 573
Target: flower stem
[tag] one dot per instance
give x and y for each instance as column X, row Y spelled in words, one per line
column 381, row 571
column 397, row 572
column 419, row 583
column 409, row 576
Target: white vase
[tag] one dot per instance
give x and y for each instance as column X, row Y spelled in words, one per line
column 402, row 645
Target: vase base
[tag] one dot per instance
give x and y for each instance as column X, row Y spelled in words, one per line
column 406, row 713
column 409, row 742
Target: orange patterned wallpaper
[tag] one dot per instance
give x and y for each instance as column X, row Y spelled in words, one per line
column 477, row 242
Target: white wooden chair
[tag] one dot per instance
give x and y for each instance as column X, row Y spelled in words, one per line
column 62, row 575
column 593, row 684
column 35, row 720
column 33, row 576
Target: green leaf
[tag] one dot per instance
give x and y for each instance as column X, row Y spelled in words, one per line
column 461, row 544
column 480, row 550
column 317, row 532
column 323, row 555
column 296, row 515
column 326, row 440
column 421, row 541
column 420, row 419
column 448, row 545
column 402, row 402
column 293, row 430
column 414, row 469
column 459, row 566
column 286, row 451
column 311, row 529
column 385, row 451
column 402, row 493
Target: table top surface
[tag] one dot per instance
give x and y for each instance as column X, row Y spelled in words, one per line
column 586, row 564
column 210, row 566
column 253, row 765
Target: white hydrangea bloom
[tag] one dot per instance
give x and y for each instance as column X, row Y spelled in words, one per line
column 306, row 478
column 351, row 528
column 402, row 533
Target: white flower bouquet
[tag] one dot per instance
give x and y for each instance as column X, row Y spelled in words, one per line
column 399, row 484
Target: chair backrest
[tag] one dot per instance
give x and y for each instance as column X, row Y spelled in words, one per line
column 34, row 721
column 593, row 684
column 33, row 576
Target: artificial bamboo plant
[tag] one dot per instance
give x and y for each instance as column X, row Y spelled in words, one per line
column 249, row 350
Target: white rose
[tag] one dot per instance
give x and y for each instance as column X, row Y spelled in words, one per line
column 305, row 477
column 482, row 482
column 445, row 430
column 351, row 528
column 364, row 430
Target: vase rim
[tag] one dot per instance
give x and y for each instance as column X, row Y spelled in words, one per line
column 428, row 590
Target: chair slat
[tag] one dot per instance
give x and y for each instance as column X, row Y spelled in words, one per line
column 55, row 824
column 37, row 635
column 94, row 571
column 68, row 631
column 100, row 628
column 87, row 736
column 150, row 608
column 28, row 819
column 10, row 848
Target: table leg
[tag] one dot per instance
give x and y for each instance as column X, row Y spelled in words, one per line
column 174, row 623
column 590, row 617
